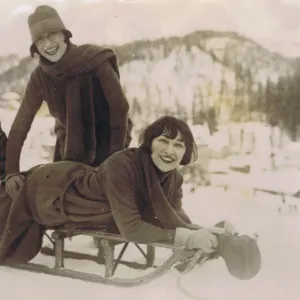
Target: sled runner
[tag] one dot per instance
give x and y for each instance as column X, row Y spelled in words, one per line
column 106, row 256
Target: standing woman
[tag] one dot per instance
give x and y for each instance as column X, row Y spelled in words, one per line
column 82, row 89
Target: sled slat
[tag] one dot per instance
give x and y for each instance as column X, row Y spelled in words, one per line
column 59, row 243
column 150, row 255
column 108, row 251
column 115, row 237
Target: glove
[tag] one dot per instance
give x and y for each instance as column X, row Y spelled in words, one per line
column 228, row 226
column 204, row 238
column 13, row 184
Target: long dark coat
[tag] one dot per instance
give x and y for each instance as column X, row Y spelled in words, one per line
column 72, row 193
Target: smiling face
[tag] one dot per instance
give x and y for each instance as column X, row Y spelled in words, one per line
column 52, row 46
column 167, row 153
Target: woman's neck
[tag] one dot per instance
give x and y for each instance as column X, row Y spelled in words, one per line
column 160, row 174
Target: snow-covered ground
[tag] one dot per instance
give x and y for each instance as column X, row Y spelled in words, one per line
column 278, row 239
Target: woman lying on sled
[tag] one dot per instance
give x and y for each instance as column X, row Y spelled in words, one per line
column 138, row 190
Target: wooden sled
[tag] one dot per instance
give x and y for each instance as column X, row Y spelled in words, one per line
column 106, row 257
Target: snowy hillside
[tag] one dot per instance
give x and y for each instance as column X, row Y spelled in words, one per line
column 180, row 74
column 233, row 50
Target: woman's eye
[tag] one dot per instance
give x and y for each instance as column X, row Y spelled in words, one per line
column 163, row 141
column 51, row 35
column 179, row 145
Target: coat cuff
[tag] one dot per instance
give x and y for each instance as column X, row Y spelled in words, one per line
column 182, row 236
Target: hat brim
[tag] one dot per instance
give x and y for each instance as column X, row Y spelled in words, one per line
column 32, row 48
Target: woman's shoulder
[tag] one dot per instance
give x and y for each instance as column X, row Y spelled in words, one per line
column 177, row 177
column 37, row 75
column 120, row 165
column 121, row 158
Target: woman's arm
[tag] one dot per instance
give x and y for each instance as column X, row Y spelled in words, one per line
column 31, row 103
column 119, row 186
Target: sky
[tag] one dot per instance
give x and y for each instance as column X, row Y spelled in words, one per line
column 273, row 23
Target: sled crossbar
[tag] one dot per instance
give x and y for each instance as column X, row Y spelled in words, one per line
column 109, row 236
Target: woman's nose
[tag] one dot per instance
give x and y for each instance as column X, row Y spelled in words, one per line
column 47, row 42
column 170, row 148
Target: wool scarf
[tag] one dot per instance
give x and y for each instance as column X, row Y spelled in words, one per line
column 158, row 194
column 75, row 68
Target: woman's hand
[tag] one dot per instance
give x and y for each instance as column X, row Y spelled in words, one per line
column 13, row 184
column 204, row 238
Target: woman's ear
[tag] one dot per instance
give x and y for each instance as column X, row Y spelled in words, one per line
column 33, row 50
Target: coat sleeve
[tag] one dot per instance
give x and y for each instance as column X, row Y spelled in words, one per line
column 3, row 142
column 119, row 186
column 118, row 105
column 30, row 104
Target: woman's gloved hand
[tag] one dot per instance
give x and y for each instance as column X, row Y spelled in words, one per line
column 13, row 184
column 204, row 238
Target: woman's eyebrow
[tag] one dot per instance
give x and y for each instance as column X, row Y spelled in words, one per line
column 181, row 139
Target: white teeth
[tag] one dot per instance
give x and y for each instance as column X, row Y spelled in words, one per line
column 167, row 159
column 51, row 50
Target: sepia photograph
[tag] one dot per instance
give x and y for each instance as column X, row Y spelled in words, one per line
column 150, row 149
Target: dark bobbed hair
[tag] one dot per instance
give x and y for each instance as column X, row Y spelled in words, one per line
column 170, row 126
column 33, row 49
